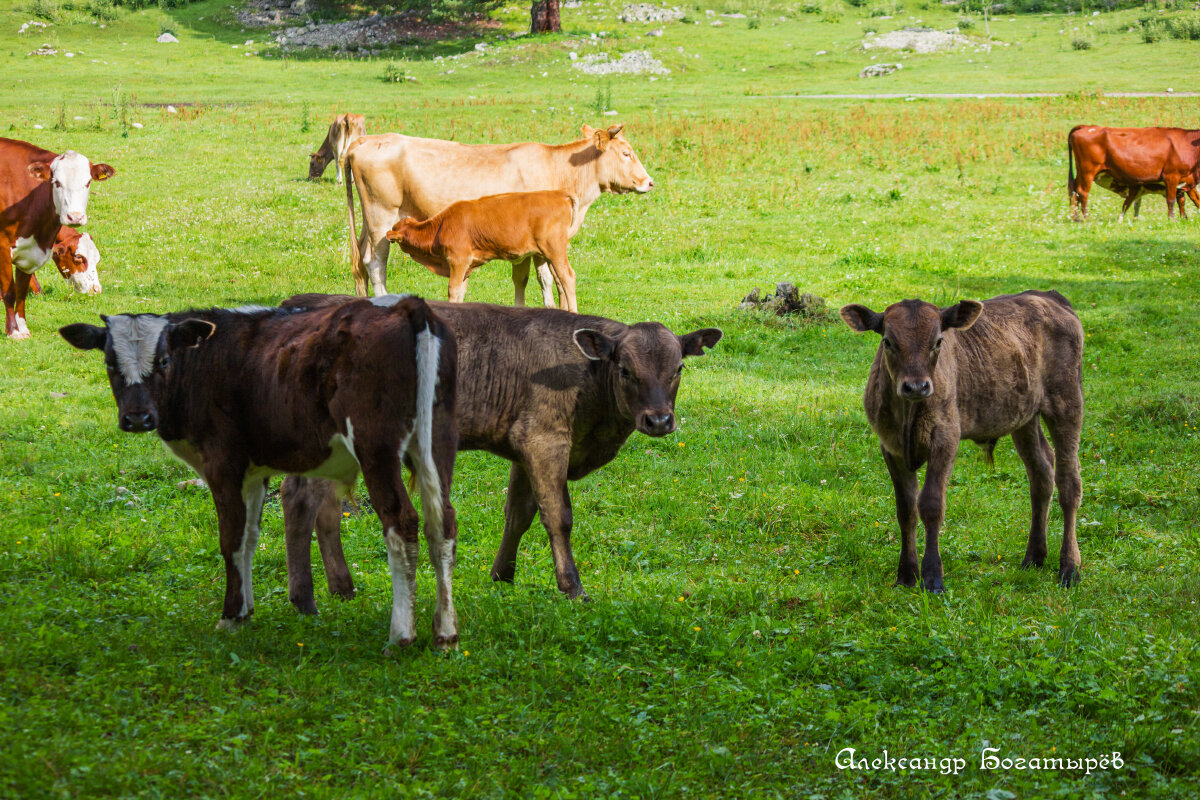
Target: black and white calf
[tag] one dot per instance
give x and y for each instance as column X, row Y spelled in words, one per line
column 243, row 394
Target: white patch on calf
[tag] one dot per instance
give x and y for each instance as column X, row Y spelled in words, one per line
column 27, row 255
column 402, row 560
column 183, row 450
column 22, row 330
column 252, row 309
column 388, row 300
column 135, row 344
column 253, row 493
column 70, row 184
column 87, row 281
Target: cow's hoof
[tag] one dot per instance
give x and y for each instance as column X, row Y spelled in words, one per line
column 307, row 606
column 229, row 625
column 934, row 585
column 1032, row 562
column 18, row 335
column 504, row 575
column 1068, row 576
column 396, row 647
column 445, row 642
column 343, row 590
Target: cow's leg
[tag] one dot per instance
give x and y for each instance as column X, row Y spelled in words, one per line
column 520, row 278
column 1172, row 194
column 519, row 508
column 457, row 290
column 931, row 503
column 233, row 524
column 564, row 276
column 377, row 267
column 548, row 476
column 1083, row 187
column 1131, row 197
column 546, row 280
column 8, row 292
column 385, row 485
column 441, row 526
column 34, row 286
column 1035, row 452
column 20, row 291
column 904, row 484
column 1182, row 206
column 1064, row 432
column 253, row 495
column 329, row 542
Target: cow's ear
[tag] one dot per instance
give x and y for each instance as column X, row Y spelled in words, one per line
column 961, row 315
column 40, row 170
column 601, row 139
column 862, row 319
column 613, row 130
column 189, row 333
column 58, row 250
column 102, row 172
column 588, row 130
column 694, row 343
column 594, row 344
column 84, row 336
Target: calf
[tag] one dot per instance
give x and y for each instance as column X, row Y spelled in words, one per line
column 76, row 257
column 240, row 395
column 554, row 393
column 40, row 192
column 976, row 371
column 344, row 129
column 515, row 227
column 1132, row 193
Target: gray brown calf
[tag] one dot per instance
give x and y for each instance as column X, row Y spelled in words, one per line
column 555, row 393
column 976, row 371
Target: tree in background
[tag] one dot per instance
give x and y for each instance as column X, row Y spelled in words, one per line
column 545, row 17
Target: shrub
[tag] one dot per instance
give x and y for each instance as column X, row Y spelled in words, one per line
column 1081, row 43
column 103, row 10
column 965, row 23
column 753, row 23
column 393, row 74
column 1185, row 27
column 1153, row 30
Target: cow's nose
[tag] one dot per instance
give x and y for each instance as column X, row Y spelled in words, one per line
column 657, row 423
column 916, row 390
column 76, row 218
column 137, row 421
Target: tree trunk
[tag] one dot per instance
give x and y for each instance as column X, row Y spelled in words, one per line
column 545, row 17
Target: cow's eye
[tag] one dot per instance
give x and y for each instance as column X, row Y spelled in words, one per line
column 679, row 371
column 938, row 344
column 626, row 374
column 628, row 154
column 887, row 343
column 164, row 362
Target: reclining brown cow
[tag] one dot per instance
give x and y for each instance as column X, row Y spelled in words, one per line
column 554, row 393
column 976, row 371
column 512, row 227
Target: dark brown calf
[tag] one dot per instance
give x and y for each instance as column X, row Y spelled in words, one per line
column 976, row 371
column 515, row 227
column 554, row 393
column 1133, row 193
column 1132, row 157
column 240, row 395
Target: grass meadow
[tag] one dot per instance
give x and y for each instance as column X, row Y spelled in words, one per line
column 744, row 628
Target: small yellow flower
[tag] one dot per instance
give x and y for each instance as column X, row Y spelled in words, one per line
column 466, row 652
column 695, row 627
column 681, row 444
column 299, row 644
column 58, row 494
column 797, row 572
column 345, row 513
column 681, row 598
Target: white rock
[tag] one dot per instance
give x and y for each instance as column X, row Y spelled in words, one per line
column 137, row 125
column 171, row 110
column 167, row 38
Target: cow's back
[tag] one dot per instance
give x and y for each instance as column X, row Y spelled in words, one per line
column 521, row 373
column 1023, row 351
column 20, row 191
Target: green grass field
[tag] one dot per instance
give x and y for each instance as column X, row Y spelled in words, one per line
column 744, row 628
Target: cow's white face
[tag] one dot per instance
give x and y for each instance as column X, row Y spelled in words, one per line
column 84, row 276
column 71, row 183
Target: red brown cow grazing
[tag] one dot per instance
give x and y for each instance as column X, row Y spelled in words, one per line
column 243, row 394
column 75, row 255
column 40, row 191
column 554, row 393
column 344, row 129
column 976, row 371
column 1132, row 157
column 512, row 227
column 403, row 176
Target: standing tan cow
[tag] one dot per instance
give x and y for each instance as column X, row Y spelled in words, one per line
column 344, row 129
column 1132, row 158
column 403, row 176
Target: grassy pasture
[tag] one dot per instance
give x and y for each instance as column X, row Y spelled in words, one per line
column 744, row 628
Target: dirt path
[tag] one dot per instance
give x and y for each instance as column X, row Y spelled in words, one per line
column 958, row 95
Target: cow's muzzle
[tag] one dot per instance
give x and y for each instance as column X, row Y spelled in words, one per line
column 656, row 423
column 916, row 391
column 138, row 421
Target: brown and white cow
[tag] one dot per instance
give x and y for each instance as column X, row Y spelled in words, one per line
column 75, row 255
column 1132, row 157
column 344, row 129
column 242, row 394
column 513, row 227
column 40, row 192
column 554, row 393
column 403, row 176
column 976, row 371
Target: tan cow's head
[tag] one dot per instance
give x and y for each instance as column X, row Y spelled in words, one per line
column 620, row 170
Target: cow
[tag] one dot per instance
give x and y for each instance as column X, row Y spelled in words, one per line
column 1132, row 157
column 1132, row 193
column 553, row 393
column 976, row 371
column 243, row 394
column 76, row 257
column 400, row 176
column 344, row 129
column 40, row 192
column 513, row 227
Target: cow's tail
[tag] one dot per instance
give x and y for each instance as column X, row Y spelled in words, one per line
column 1072, row 195
column 357, row 269
column 430, row 333
column 574, row 207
